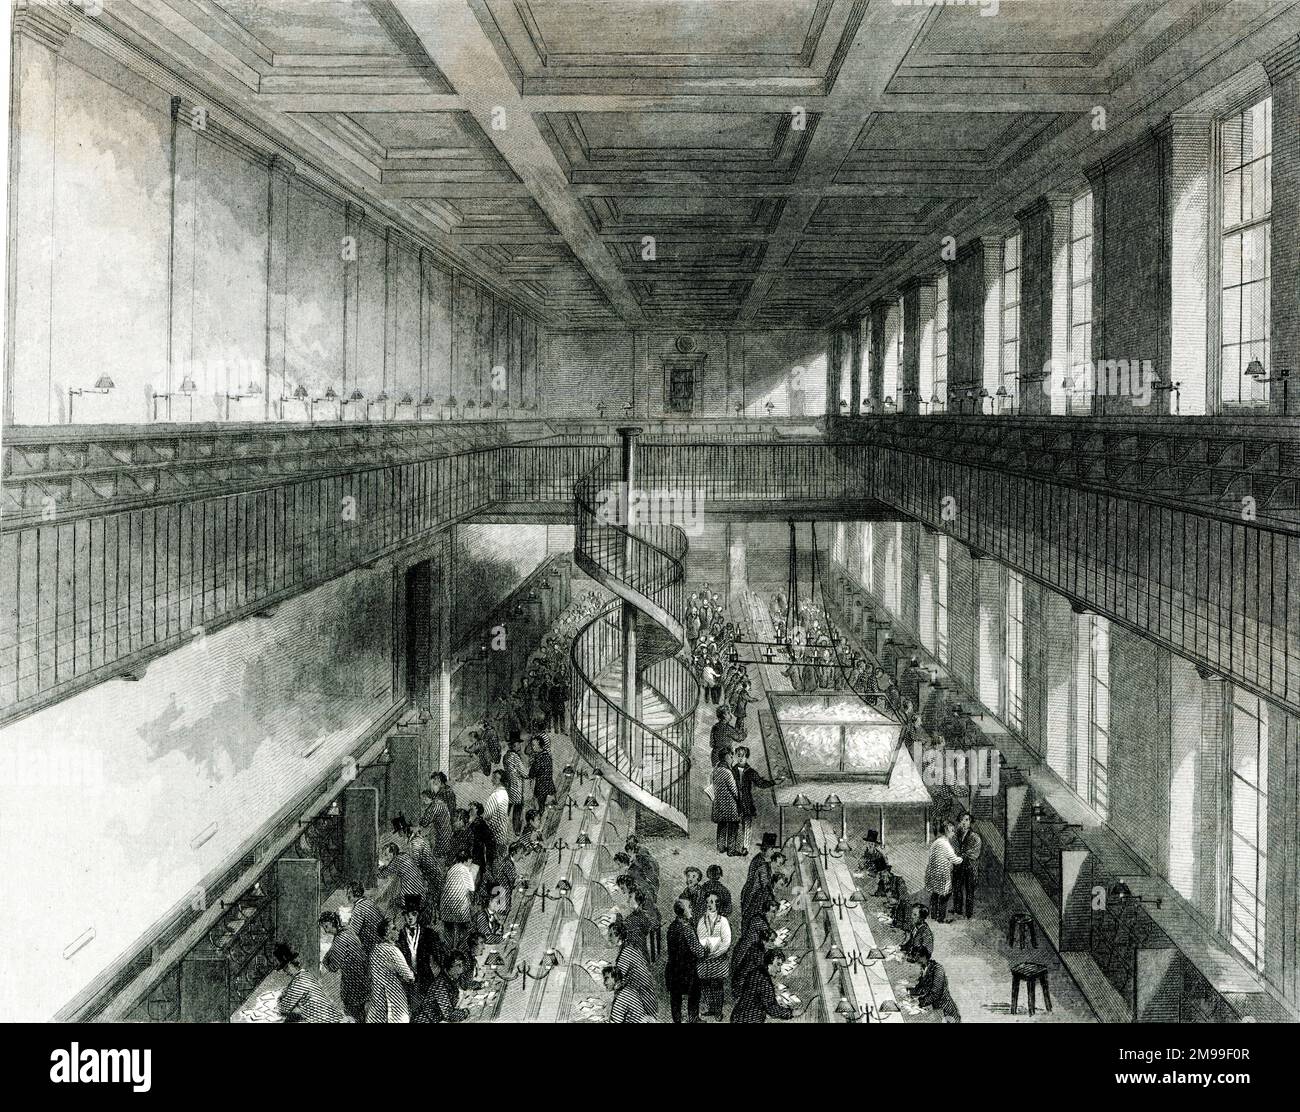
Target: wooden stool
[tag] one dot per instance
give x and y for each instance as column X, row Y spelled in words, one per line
column 1034, row 974
column 1022, row 931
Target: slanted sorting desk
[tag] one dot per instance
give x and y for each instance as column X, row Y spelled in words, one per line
column 847, row 918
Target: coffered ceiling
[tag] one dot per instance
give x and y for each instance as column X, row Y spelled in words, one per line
column 666, row 163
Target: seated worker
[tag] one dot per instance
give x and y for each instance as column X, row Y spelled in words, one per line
column 890, row 886
column 872, row 855
column 919, row 936
column 931, row 990
column 626, row 1007
column 440, row 1001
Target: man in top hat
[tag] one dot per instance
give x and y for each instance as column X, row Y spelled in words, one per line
column 747, row 779
column 303, row 1000
column 760, row 880
column 419, row 945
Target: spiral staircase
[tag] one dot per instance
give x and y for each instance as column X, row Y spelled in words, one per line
column 645, row 755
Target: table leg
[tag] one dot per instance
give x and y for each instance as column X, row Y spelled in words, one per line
column 1015, row 992
column 1030, row 982
column 1047, row 994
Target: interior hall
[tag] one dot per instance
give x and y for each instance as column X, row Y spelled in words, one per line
column 651, row 510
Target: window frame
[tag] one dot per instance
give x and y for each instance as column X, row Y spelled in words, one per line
column 1224, row 167
column 1074, row 325
column 1242, row 705
column 940, row 373
column 1009, row 357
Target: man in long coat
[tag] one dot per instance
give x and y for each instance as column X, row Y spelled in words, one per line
column 516, row 780
column 726, row 805
column 747, row 779
column 347, row 957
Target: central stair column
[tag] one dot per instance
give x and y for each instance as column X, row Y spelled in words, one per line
column 631, row 688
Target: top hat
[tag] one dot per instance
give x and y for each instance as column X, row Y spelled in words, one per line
column 284, row 954
column 769, row 841
column 873, row 836
column 400, row 825
column 412, row 901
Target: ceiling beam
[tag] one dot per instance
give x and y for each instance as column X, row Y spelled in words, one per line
column 452, row 36
column 940, row 99
column 883, row 40
column 1194, row 62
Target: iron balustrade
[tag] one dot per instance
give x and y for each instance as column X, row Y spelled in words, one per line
column 646, row 561
column 97, row 597
column 719, row 471
column 664, row 770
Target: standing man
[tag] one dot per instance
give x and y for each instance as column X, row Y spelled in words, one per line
column 366, row 917
column 634, row 967
column 435, row 821
column 417, row 943
column 760, row 884
column 497, row 812
column 938, row 871
column 726, row 805
column 684, row 951
column 516, row 778
column 693, row 894
column 407, row 880
column 347, row 957
column 541, row 772
column 966, row 875
column 747, row 779
column 722, row 737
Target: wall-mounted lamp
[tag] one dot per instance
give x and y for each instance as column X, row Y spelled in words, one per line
column 329, row 396
column 103, row 384
column 381, row 399
column 1255, row 370
column 1161, row 386
column 299, row 394
column 252, row 391
column 187, row 389
column 353, row 398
